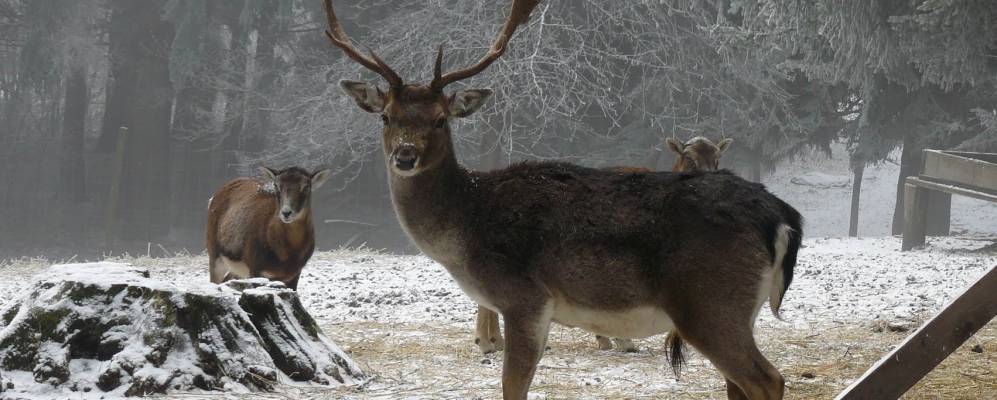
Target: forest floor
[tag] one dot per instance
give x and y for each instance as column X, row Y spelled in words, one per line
column 411, row 328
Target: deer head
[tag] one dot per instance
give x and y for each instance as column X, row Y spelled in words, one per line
column 293, row 187
column 698, row 153
column 417, row 116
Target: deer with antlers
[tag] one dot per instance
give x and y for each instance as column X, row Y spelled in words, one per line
column 622, row 255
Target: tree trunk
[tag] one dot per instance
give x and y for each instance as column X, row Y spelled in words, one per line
column 195, row 185
column 853, row 220
column 258, row 116
column 72, row 174
column 146, row 187
column 121, row 80
column 755, row 173
column 910, row 165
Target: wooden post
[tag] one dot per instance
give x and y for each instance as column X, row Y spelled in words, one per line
column 111, row 213
column 853, row 220
column 923, row 350
column 938, row 217
column 914, row 216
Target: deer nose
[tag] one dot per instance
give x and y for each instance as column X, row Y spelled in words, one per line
column 285, row 213
column 405, row 157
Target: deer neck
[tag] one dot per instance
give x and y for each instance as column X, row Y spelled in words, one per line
column 289, row 239
column 432, row 207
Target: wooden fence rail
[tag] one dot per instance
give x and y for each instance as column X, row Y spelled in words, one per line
column 924, row 349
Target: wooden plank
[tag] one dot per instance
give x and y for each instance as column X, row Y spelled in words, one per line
column 938, row 218
column 923, row 350
column 914, row 216
column 987, row 157
column 960, row 170
column 976, row 194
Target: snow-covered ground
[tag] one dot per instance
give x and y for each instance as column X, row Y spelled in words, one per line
column 408, row 325
column 364, row 298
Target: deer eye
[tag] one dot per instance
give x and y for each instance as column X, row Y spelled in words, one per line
column 441, row 122
column 384, row 118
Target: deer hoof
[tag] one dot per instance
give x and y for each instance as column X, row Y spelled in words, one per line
column 485, row 346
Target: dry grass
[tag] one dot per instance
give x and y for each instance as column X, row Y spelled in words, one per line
column 423, row 361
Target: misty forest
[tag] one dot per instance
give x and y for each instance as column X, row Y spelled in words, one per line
column 120, row 119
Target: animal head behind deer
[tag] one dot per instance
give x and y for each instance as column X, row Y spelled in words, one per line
column 698, row 153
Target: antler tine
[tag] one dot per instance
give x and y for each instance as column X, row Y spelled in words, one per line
column 438, row 67
column 521, row 10
column 338, row 38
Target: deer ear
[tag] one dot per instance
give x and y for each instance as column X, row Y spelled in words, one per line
column 319, row 177
column 465, row 102
column 724, row 144
column 367, row 95
column 269, row 173
column 675, row 145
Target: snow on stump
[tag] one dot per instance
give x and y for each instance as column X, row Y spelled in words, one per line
column 111, row 327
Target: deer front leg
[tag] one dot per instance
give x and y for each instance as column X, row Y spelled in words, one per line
column 525, row 339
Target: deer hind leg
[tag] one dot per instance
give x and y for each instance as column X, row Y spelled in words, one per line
column 487, row 334
column 525, row 340
column 625, row 345
column 496, row 332
column 732, row 349
column 604, row 342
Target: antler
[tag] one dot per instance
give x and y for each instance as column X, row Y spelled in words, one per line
column 339, row 39
column 521, row 10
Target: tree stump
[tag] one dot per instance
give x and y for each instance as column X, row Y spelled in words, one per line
column 110, row 327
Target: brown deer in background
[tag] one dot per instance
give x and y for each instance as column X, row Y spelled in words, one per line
column 622, row 255
column 263, row 228
column 698, row 153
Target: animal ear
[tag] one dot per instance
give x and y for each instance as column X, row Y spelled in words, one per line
column 319, row 177
column 465, row 102
column 367, row 95
column 724, row 144
column 269, row 173
column 675, row 145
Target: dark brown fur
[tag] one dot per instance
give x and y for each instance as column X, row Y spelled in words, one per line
column 633, row 254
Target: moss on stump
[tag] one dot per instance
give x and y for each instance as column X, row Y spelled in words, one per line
column 110, row 327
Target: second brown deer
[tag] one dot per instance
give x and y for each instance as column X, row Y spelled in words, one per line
column 263, row 228
column 622, row 255
column 698, row 153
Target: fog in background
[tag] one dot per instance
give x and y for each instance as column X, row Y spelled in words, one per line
column 120, row 118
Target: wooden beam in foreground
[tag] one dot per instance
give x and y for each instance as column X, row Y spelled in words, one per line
column 924, row 349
